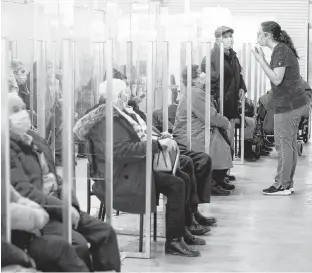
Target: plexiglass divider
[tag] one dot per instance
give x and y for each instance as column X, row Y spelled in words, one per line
column 149, row 154
column 109, row 132
column 12, row 50
column 41, row 87
column 54, row 59
column 73, row 114
column 208, row 96
column 5, row 145
column 189, row 94
column 130, row 65
column 96, row 70
column 248, row 70
column 255, row 85
column 146, row 254
column 31, row 79
column 182, row 66
column 264, row 85
column 165, row 84
column 165, row 90
column 67, row 141
column 221, row 78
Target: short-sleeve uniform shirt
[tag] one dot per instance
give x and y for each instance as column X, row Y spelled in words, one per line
column 290, row 94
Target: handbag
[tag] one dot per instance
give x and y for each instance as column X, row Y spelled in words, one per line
column 167, row 161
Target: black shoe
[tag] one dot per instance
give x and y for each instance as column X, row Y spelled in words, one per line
column 218, row 191
column 191, row 240
column 274, row 191
column 197, row 229
column 227, row 186
column 179, row 247
column 292, row 190
column 203, row 220
column 231, row 177
column 268, row 143
column 268, row 149
column 264, row 153
column 251, row 158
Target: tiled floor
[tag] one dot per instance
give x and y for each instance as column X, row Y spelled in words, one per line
column 254, row 232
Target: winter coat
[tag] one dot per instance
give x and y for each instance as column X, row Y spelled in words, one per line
column 27, row 176
column 220, row 150
column 11, row 256
column 233, row 80
column 129, row 163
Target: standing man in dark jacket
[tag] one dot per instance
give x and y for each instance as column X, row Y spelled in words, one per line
column 234, row 84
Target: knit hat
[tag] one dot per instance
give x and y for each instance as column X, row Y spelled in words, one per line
column 220, row 31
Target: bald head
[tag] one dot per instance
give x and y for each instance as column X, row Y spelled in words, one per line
column 119, row 88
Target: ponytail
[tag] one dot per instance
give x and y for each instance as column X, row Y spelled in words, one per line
column 279, row 35
column 285, row 38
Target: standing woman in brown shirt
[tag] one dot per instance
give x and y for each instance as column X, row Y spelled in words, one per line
column 290, row 101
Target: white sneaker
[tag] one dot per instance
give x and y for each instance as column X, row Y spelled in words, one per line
column 273, row 191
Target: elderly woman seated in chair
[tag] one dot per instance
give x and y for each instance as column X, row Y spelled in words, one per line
column 220, row 146
column 129, row 165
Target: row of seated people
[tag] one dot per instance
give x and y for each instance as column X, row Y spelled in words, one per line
column 37, row 222
column 185, row 190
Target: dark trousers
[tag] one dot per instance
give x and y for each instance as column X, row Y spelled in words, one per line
column 176, row 189
column 202, row 172
column 101, row 236
column 218, row 176
column 50, row 253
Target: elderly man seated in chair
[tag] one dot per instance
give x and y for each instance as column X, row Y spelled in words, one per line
column 129, row 164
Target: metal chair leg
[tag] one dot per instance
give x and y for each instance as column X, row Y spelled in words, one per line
column 155, row 227
column 88, row 191
column 235, row 142
column 101, row 211
column 117, row 213
column 141, row 233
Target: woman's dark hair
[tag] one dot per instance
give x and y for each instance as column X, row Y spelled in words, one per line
column 194, row 73
column 279, row 34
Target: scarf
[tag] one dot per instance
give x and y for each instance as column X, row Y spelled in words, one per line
column 139, row 127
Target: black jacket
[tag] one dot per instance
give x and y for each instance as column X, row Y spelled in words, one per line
column 26, row 174
column 233, row 80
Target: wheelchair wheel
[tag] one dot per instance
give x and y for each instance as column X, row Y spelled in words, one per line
column 300, row 148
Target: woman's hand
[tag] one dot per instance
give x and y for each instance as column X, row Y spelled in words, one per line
column 241, row 94
column 166, row 135
column 75, row 217
column 258, row 53
column 167, row 144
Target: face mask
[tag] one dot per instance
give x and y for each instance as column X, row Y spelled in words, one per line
column 260, row 41
column 202, row 78
column 228, row 43
column 21, row 80
column 20, row 122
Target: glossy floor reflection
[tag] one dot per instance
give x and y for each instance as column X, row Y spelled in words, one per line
column 254, row 232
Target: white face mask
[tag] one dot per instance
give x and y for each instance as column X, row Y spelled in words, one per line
column 20, row 122
column 228, row 43
column 21, row 80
